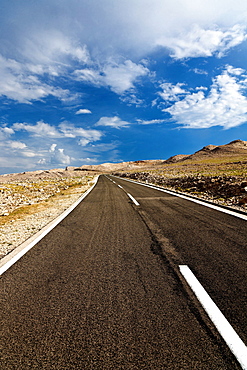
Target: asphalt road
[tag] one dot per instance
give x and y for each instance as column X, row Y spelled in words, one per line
column 102, row 290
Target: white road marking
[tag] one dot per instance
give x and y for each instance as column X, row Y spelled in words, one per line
column 7, row 261
column 120, row 186
column 201, row 202
column 232, row 339
column 133, row 199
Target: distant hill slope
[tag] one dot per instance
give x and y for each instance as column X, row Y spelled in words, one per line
column 236, row 147
column 122, row 166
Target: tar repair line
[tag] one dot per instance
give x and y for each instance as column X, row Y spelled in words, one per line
column 9, row 260
column 227, row 332
column 217, row 208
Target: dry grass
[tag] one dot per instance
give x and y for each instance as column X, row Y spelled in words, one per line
column 210, row 167
column 38, row 195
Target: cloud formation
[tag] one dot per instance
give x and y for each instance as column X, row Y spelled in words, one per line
column 61, row 57
column 225, row 104
column 58, row 156
column 114, row 122
column 87, row 41
column 150, row 122
column 63, row 130
column 83, row 111
column 118, row 77
column 172, row 92
column 199, row 42
column 121, row 77
column 63, row 28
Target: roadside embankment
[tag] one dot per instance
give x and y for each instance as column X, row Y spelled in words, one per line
column 224, row 190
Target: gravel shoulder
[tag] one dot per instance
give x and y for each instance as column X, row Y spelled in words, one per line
column 27, row 219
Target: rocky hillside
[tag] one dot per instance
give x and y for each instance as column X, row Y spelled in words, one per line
column 225, row 190
column 234, row 148
column 122, row 166
column 216, row 173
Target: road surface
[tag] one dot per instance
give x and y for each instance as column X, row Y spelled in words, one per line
column 103, row 289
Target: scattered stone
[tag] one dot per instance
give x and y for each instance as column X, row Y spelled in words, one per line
column 16, row 231
column 219, row 189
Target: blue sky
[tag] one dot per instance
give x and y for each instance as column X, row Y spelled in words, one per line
column 87, row 82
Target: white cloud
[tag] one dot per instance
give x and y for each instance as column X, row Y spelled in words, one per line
column 115, row 122
column 88, row 75
column 150, row 122
column 53, row 148
column 64, row 130
column 104, row 147
column 52, row 33
column 235, row 71
column 225, row 105
column 131, row 98
column 18, row 83
column 201, row 88
column 54, row 48
column 83, row 111
column 120, row 77
column 199, row 42
column 83, row 142
column 200, row 71
column 69, row 130
column 59, row 157
column 40, row 129
column 172, row 92
column 48, row 145
column 85, row 39
column 30, row 154
column 8, row 131
column 17, row 145
column 5, row 132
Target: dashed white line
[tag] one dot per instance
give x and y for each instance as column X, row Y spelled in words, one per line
column 227, row 332
column 133, row 199
column 201, row 202
column 120, row 186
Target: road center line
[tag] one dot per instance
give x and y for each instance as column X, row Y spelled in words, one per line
column 133, row 199
column 227, row 332
column 120, row 186
column 195, row 200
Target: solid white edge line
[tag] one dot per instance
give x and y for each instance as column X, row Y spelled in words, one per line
column 227, row 332
column 201, row 202
column 133, row 199
column 9, row 260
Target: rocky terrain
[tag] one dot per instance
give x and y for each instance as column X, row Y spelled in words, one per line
column 30, row 200
column 224, row 190
column 215, row 173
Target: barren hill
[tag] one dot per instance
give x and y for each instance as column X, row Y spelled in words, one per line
column 234, row 148
column 122, row 166
column 231, row 150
